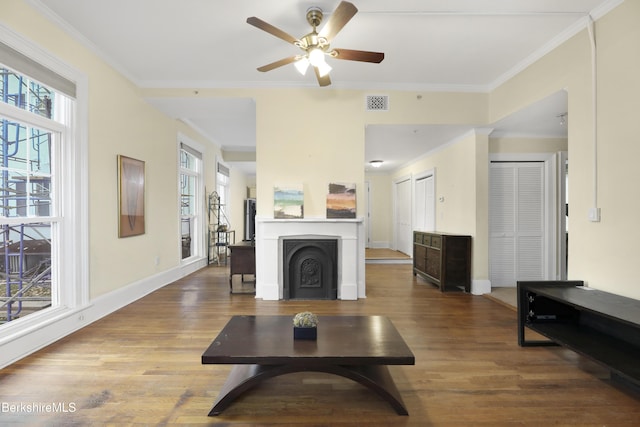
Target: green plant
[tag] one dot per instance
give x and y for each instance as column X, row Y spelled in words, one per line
column 306, row 319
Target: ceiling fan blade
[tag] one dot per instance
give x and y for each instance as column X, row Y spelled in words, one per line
column 358, row 55
column 277, row 64
column 322, row 81
column 265, row 26
column 343, row 13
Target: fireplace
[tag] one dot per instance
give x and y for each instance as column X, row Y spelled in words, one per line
column 349, row 266
column 310, row 268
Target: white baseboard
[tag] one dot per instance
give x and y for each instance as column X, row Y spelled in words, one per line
column 379, row 245
column 41, row 329
column 480, row 287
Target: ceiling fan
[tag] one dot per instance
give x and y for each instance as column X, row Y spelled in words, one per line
column 316, row 45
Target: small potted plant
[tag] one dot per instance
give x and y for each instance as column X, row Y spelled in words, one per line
column 305, row 326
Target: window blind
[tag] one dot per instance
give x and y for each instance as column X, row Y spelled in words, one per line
column 190, row 150
column 223, row 169
column 22, row 64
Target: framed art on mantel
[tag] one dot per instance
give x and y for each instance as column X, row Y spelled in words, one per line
column 288, row 202
column 341, row 200
column 130, row 196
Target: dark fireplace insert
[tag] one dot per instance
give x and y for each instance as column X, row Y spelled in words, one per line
column 310, row 268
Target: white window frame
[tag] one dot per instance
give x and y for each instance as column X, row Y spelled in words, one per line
column 70, row 259
column 223, row 188
column 198, row 243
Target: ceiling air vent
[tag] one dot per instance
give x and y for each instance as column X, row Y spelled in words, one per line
column 377, row 103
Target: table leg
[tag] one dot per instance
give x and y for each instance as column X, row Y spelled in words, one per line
column 244, row 377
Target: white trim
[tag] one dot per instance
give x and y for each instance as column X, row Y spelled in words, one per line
column 61, row 322
column 480, row 287
column 380, row 245
column 212, row 84
column 563, row 157
column 367, row 217
column 551, row 192
column 422, row 175
column 30, row 118
column 191, row 143
column 200, row 230
column 33, row 51
column 351, row 253
column 397, row 181
column 79, row 37
column 70, row 176
column 227, row 185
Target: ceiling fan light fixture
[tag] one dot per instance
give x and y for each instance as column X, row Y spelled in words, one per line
column 301, row 65
column 324, row 69
column 316, row 44
column 316, row 57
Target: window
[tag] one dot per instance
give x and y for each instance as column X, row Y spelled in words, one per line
column 43, row 224
column 222, row 183
column 191, row 196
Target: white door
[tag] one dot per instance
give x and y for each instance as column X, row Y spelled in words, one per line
column 516, row 222
column 367, row 218
column 425, row 216
column 404, row 233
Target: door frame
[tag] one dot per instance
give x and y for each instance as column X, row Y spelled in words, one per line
column 563, row 159
column 367, row 217
column 397, row 181
column 424, row 174
column 552, row 237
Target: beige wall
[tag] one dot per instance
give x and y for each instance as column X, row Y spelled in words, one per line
column 310, row 137
column 314, row 136
column 601, row 253
column 120, row 122
column 527, row 145
column 459, row 178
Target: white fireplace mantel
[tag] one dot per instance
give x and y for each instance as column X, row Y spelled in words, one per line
column 269, row 268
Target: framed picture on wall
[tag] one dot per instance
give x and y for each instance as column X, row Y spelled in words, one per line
column 130, row 196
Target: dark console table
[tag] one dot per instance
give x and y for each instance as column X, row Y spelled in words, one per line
column 443, row 259
column 354, row 347
column 243, row 261
column 599, row 325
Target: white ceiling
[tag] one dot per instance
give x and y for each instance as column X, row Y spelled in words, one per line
column 428, row 45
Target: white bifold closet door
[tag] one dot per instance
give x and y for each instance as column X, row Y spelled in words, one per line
column 425, row 216
column 404, row 232
column 516, row 222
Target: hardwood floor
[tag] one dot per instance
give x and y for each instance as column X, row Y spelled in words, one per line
column 141, row 366
column 374, row 253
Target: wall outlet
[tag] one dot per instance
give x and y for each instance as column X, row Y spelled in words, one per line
column 594, row 214
column 156, row 260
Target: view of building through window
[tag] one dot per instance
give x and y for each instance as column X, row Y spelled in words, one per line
column 26, row 199
column 190, row 211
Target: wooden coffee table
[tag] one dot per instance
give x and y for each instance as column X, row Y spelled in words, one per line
column 355, row 347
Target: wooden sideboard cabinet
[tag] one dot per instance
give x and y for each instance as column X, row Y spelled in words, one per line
column 443, row 259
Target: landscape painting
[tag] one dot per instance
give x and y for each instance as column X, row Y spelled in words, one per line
column 341, row 201
column 288, row 202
